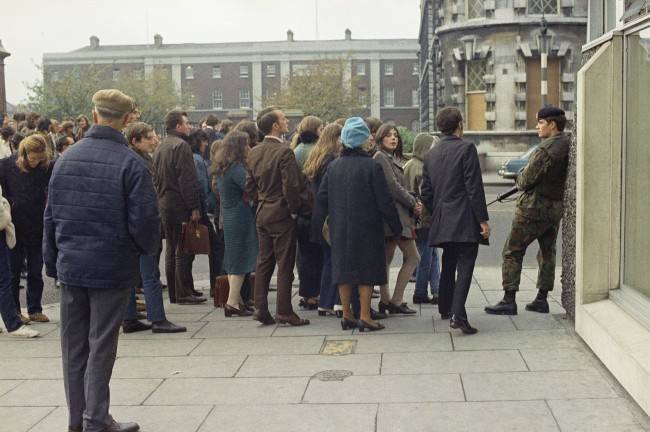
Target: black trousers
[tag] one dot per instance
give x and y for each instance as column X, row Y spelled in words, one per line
column 178, row 266
column 458, row 261
column 32, row 251
column 310, row 264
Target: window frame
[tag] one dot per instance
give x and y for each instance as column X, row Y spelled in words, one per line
column 216, row 68
column 189, row 72
column 387, row 69
column 214, row 93
column 360, row 69
column 244, row 71
column 558, row 9
column 270, row 70
column 385, row 97
column 248, row 97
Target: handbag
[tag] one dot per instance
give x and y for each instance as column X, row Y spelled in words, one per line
column 194, row 239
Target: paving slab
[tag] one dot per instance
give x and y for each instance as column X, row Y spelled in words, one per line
column 399, row 343
column 260, row 346
column 302, row 417
column 155, row 347
column 597, row 415
column 178, row 367
column 466, row 417
column 30, row 368
column 404, row 325
column 30, row 348
column 480, row 320
column 215, row 391
column 50, row 392
column 186, row 317
column 386, row 388
column 233, row 328
column 7, row 385
column 318, row 326
column 451, row 362
column 309, row 365
column 533, row 339
column 22, row 419
column 536, row 321
column 535, row 385
column 558, row 359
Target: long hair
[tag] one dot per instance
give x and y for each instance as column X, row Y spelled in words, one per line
column 250, row 128
column 328, row 144
column 307, row 124
column 232, row 150
column 382, row 133
column 36, row 144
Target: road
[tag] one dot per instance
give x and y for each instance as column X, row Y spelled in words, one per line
column 489, row 256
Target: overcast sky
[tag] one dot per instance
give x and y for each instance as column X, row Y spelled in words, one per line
column 33, row 27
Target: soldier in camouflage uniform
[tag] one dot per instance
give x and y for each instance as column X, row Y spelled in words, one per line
column 538, row 214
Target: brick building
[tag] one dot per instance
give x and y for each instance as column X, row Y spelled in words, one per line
column 232, row 79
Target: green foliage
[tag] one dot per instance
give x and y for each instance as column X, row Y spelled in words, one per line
column 407, row 138
column 71, row 93
column 322, row 89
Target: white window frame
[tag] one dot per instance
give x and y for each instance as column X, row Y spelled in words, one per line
column 216, row 71
column 389, row 69
column 271, row 70
column 415, row 98
column 247, row 98
column 361, row 69
column 386, row 92
column 215, row 105
column 243, row 71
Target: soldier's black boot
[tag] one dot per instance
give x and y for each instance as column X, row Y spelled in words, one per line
column 540, row 304
column 507, row 306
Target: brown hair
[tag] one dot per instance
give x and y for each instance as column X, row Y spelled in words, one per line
column 225, row 126
column 328, row 144
column 231, row 151
column 173, row 119
column 373, row 124
column 448, row 119
column 36, row 144
column 383, row 132
column 249, row 128
column 137, row 131
column 307, row 124
column 560, row 122
column 266, row 118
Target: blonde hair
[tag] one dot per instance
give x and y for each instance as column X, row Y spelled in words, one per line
column 307, row 124
column 36, row 144
column 328, row 144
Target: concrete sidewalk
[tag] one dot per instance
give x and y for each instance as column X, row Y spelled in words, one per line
column 528, row 372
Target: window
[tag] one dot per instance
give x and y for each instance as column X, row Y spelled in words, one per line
column 243, row 71
column 475, row 75
column 415, row 98
column 244, row 98
column 116, row 74
column 217, row 99
column 138, row 74
column 388, row 68
column 389, row 97
column 539, row 7
column 416, row 69
column 361, row 68
column 189, row 72
column 475, row 8
column 270, row 70
column 216, row 71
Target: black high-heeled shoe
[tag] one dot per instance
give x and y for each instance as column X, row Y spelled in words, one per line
column 391, row 308
column 364, row 326
column 347, row 324
column 404, row 309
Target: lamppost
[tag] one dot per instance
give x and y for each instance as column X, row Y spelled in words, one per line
column 3, row 96
column 544, row 61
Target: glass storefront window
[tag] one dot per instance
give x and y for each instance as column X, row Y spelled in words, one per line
column 636, row 258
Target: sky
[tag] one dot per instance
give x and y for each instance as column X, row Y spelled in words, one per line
column 43, row 26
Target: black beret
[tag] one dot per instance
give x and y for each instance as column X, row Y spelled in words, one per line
column 549, row 111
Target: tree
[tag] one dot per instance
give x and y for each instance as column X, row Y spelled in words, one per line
column 322, row 89
column 70, row 92
column 407, row 138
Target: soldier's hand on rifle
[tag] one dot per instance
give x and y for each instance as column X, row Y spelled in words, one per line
column 485, row 230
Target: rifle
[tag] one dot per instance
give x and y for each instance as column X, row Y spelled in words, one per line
column 505, row 195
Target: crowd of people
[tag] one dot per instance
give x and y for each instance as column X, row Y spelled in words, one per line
column 92, row 202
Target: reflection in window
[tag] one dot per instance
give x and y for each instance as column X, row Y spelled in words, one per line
column 637, row 157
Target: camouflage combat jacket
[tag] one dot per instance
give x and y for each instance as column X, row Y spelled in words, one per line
column 542, row 180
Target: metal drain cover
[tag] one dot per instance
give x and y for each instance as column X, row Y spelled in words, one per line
column 333, row 375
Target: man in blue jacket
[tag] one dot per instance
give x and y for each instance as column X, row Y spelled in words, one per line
column 101, row 215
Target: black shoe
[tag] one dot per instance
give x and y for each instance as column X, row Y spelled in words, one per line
column 364, row 326
column 132, row 326
column 375, row 315
column 434, row 299
column 502, row 308
column 165, row 326
column 122, row 427
column 75, row 429
column 421, row 299
column 538, row 305
column 445, row 316
column 459, row 322
column 388, row 307
column 404, row 309
column 264, row 317
column 347, row 324
column 196, row 293
column 191, row 300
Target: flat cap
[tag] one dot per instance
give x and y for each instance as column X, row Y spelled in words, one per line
column 549, row 111
column 113, row 103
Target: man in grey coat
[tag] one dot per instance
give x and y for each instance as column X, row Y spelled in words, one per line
column 452, row 191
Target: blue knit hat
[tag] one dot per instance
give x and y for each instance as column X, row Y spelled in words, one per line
column 355, row 132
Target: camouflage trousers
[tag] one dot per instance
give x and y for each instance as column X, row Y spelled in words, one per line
column 529, row 225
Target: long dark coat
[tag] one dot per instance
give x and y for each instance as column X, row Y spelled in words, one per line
column 452, row 190
column 355, row 196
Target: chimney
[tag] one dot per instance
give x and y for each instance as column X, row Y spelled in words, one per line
column 348, row 34
column 157, row 40
column 289, row 35
column 94, row 42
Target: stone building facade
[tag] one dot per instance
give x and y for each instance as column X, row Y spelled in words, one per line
column 232, row 79
column 3, row 94
column 484, row 57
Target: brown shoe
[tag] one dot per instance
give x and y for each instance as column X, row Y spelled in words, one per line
column 264, row 317
column 39, row 317
column 231, row 310
column 292, row 319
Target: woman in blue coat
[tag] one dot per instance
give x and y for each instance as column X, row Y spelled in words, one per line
column 354, row 195
column 238, row 218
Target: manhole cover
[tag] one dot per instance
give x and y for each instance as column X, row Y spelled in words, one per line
column 338, row 347
column 333, row 375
